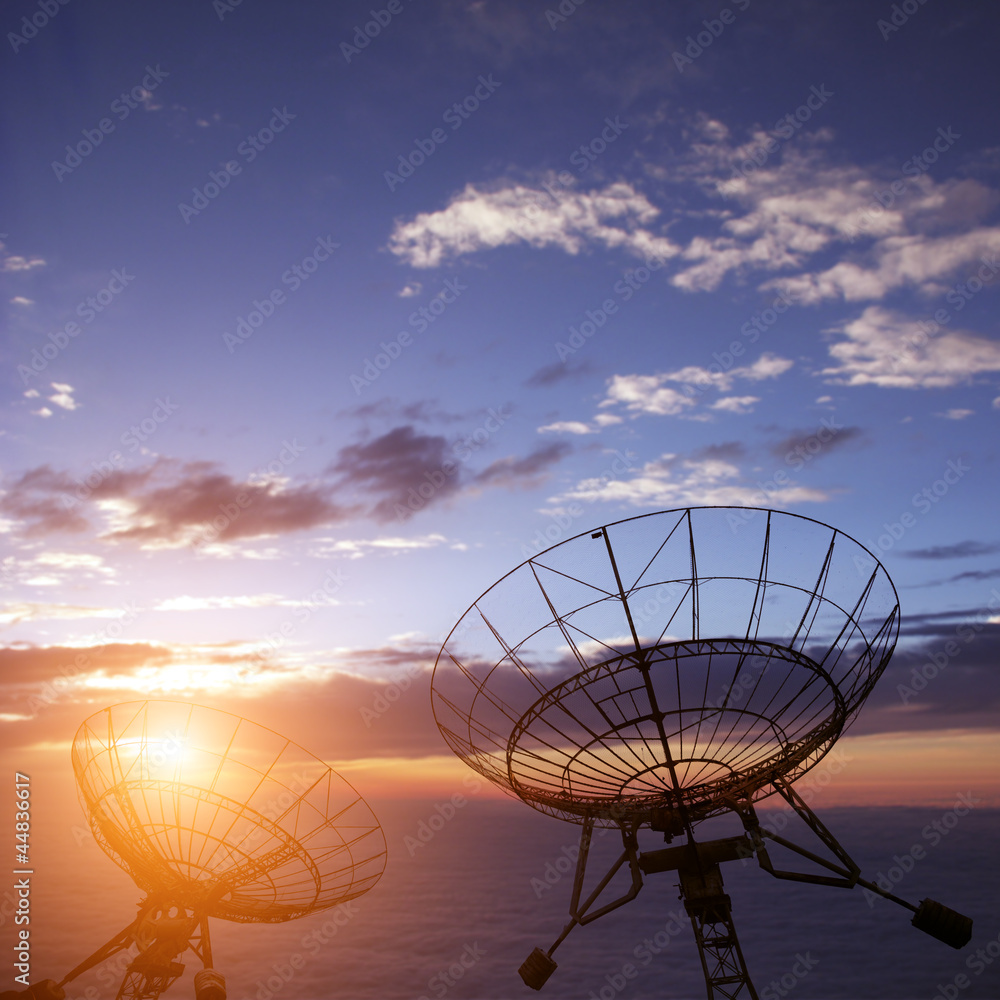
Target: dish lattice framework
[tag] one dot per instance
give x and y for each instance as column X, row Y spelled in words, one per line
column 676, row 660
column 222, row 815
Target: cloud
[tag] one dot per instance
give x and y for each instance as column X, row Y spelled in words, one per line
column 790, row 209
column 523, row 473
column 356, row 548
column 397, row 465
column 404, row 471
column 616, row 216
column 650, row 394
column 566, row 427
column 958, row 550
column 708, row 477
column 969, row 574
column 20, row 300
column 410, row 289
column 916, row 261
column 43, row 498
column 367, row 702
column 885, row 348
column 168, row 504
column 186, row 602
column 735, row 404
column 63, row 396
column 557, row 372
column 814, row 442
column 964, row 693
column 14, row 263
column 955, row 414
column 33, row 611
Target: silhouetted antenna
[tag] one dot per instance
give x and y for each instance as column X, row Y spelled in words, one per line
column 214, row 816
column 665, row 669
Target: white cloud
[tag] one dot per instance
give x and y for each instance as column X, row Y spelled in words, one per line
column 674, row 481
column 566, row 427
column 996, row 403
column 615, row 216
column 918, row 261
column 885, row 348
column 956, row 414
column 651, row 394
column 736, row 404
column 356, row 548
column 188, row 603
column 63, row 396
column 15, row 263
column 43, row 412
column 22, row 611
column 799, row 204
column 410, row 289
column 646, row 394
column 20, row 300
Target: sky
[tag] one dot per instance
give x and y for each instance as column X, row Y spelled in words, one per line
column 320, row 318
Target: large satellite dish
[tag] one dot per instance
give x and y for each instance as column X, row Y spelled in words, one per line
column 665, row 669
column 214, row 816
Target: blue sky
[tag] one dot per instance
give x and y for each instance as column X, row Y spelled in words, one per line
column 343, row 314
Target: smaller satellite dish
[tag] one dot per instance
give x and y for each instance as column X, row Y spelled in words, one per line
column 215, row 816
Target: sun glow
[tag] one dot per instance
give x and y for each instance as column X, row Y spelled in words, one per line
column 181, row 678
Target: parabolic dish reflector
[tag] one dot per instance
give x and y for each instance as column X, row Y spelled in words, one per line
column 677, row 660
column 223, row 815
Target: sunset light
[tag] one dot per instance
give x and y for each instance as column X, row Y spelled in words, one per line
column 338, row 337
